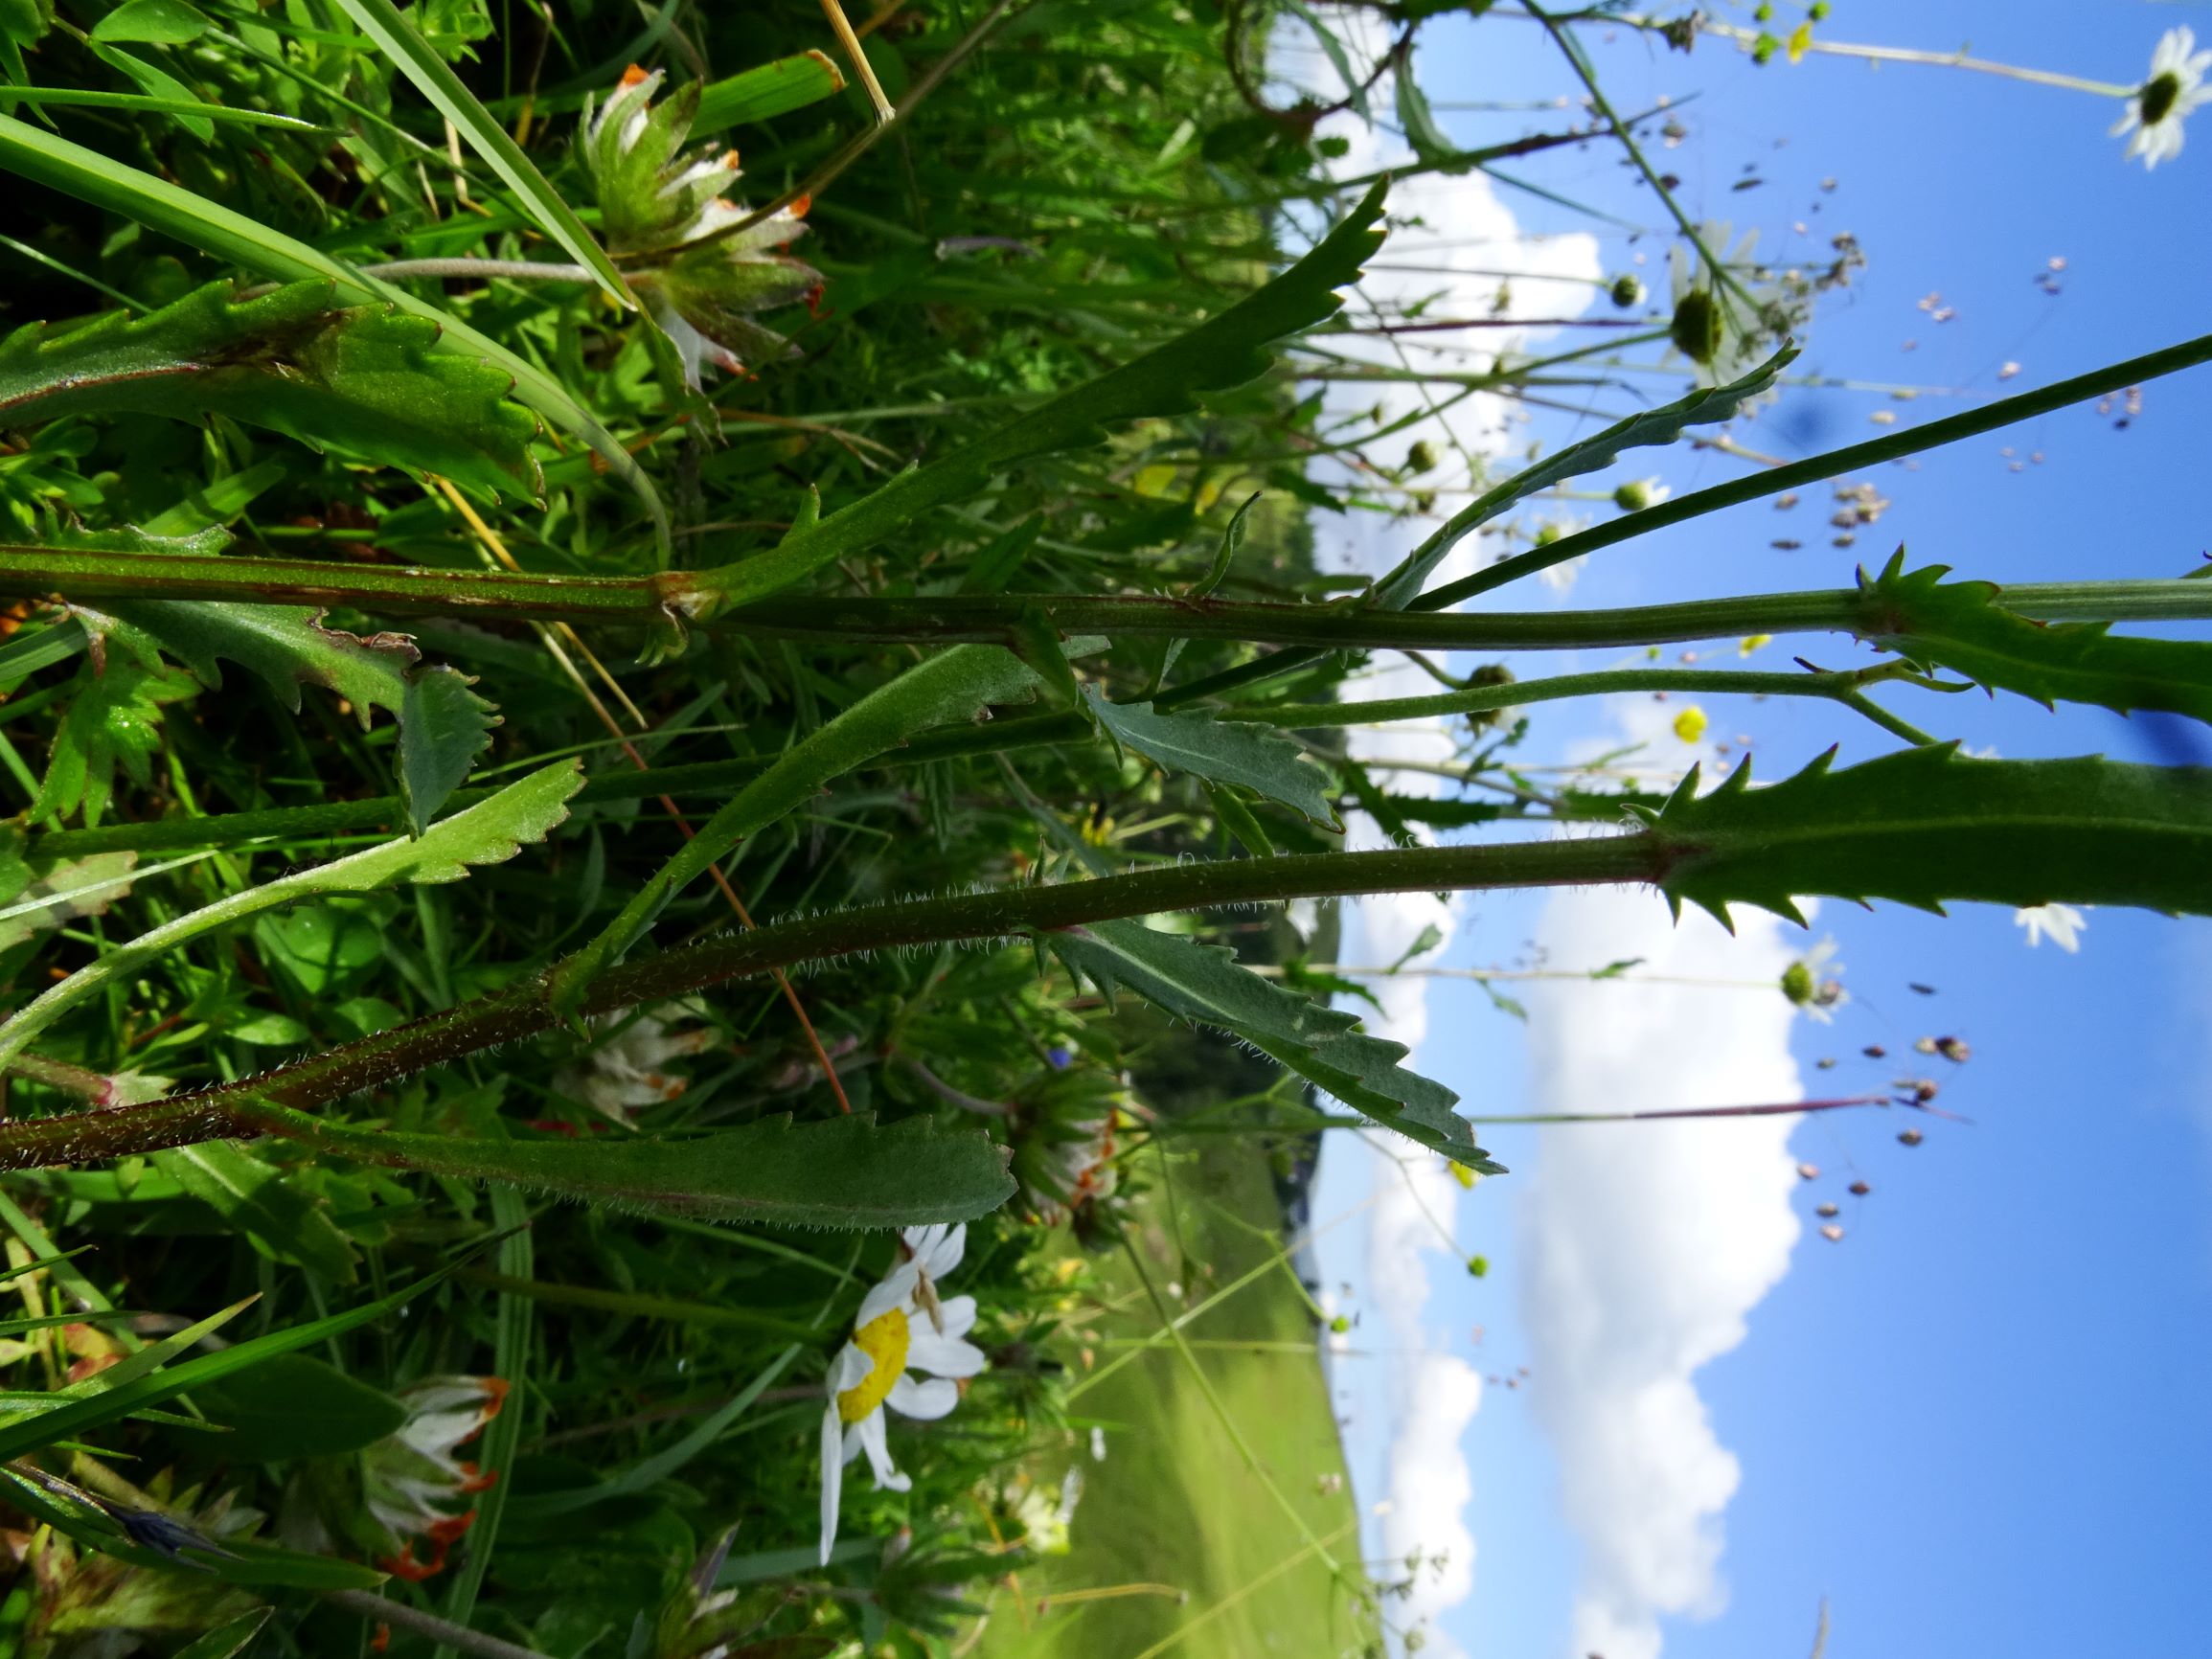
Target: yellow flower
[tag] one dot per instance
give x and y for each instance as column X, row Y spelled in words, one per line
column 1690, row 724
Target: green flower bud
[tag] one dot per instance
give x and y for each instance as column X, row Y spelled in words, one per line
column 1628, row 291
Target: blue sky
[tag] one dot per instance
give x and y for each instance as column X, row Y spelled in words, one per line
column 1977, row 1424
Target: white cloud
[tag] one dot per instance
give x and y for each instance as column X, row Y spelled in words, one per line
column 1429, row 1489
column 1416, row 1200
column 1646, row 1246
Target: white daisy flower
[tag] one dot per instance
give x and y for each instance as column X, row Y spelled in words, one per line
column 2062, row 921
column 1809, row 982
column 2157, row 108
column 1638, row 493
column 901, row 1327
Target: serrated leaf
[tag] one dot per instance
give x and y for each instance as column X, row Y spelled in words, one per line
column 362, row 380
column 1205, row 983
column 208, row 225
column 844, row 1172
column 114, row 718
column 1662, row 425
column 1227, row 352
column 444, row 726
column 954, row 685
column 416, row 58
column 489, row 832
column 1259, row 757
column 1927, row 826
column 1963, row 627
column 252, row 1197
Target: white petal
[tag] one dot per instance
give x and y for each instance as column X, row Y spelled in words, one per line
column 944, row 1355
column 897, row 1290
column 875, row 1442
column 832, row 1478
column 850, row 1368
column 959, row 1315
column 944, row 1251
column 924, row 1401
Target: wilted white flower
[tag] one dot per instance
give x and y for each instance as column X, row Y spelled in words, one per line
column 659, row 204
column 629, row 1071
column 2157, row 108
column 1722, row 334
column 411, row 1481
column 2062, row 921
column 901, row 1327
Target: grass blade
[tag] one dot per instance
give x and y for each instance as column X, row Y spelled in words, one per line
column 435, row 79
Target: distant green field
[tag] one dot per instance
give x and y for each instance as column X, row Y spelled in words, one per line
column 1175, row 1505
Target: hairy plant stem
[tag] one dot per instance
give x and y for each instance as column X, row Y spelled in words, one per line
column 525, row 1008
column 667, row 600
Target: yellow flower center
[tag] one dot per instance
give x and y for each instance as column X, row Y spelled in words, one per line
column 883, row 1339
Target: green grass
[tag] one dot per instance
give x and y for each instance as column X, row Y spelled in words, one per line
column 1175, row 1505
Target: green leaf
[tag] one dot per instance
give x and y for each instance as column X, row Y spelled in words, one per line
column 1227, row 352
column 252, row 1199
column 195, row 221
column 397, row 38
column 362, row 380
column 159, row 84
column 228, row 1641
column 490, row 832
column 1662, row 425
column 1260, row 758
column 114, row 720
column 954, row 685
column 1926, row 825
column 843, row 1172
column 771, row 89
column 1963, row 627
column 297, row 1406
column 1430, row 141
column 154, row 22
column 446, row 726
column 442, row 725
column 1205, row 983
column 78, row 1414
column 1232, row 541
column 256, row 1564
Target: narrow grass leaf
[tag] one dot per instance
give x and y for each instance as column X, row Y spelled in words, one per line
column 954, row 685
column 396, row 37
